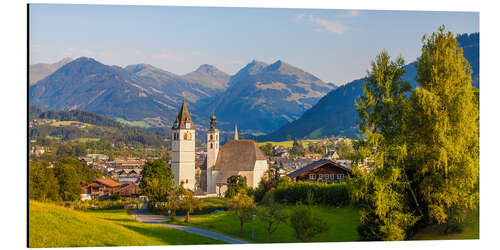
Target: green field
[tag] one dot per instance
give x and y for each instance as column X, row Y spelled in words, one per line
column 435, row 232
column 142, row 124
column 343, row 222
column 287, row 144
column 55, row 226
column 83, row 140
column 68, row 123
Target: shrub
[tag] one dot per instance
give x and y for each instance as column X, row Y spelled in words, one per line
column 95, row 204
column 316, row 193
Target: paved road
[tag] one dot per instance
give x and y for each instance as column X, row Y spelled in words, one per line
column 144, row 216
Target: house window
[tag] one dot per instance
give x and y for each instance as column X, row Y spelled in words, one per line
column 332, row 176
column 340, row 176
column 327, row 176
column 312, row 177
column 320, row 176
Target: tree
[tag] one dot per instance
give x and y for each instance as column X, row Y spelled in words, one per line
column 267, row 149
column 174, row 201
column 43, row 185
column 444, row 131
column 189, row 203
column 157, row 180
column 297, row 148
column 381, row 191
column 68, row 180
column 272, row 215
column 305, row 224
column 235, row 184
column 242, row 206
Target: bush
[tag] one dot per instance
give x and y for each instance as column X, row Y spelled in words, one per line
column 207, row 205
column 316, row 193
column 94, row 204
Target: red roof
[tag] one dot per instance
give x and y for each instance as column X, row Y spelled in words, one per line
column 108, row 182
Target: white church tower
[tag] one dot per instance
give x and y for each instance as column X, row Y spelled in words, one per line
column 183, row 149
column 212, row 152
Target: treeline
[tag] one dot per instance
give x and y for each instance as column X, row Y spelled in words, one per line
column 104, row 128
column 60, row 181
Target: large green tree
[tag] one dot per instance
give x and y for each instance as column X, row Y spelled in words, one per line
column 380, row 185
column 157, row 180
column 444, row 131
column 43, row 185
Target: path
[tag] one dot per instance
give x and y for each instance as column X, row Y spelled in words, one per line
column 143, row 215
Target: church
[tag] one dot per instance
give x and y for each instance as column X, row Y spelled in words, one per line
column 236, row 157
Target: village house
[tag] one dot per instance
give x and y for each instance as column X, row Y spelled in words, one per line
column 38, row 150
column 99, row 188
column 290, row 164
column 321, row 171
column 129, row 191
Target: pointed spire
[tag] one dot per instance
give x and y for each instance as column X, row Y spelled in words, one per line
column 183, row 118
column 235, row 131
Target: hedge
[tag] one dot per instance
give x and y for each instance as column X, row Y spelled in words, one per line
column 316, row 193
column 207, row 205
column 95, row 204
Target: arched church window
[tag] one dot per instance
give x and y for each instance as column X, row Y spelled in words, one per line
column 211, row 145
column 211, row 137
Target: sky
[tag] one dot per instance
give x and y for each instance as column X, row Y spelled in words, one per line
column 334, row 45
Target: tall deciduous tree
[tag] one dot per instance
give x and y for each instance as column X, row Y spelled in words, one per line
column 381, row 187
column 444, row 133
column 157, row 180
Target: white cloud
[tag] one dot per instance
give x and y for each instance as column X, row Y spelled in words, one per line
column 350, row 13
column 328, row 26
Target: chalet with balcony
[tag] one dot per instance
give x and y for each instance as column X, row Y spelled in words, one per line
column 324, row 170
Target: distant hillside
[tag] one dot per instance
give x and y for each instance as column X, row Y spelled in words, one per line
column 263, row 97
column 335, row 113
column 39, row 71
column 103, row 128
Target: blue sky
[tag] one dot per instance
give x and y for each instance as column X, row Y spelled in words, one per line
column 334, row 45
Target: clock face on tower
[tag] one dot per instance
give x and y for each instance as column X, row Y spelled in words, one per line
column 188, row 125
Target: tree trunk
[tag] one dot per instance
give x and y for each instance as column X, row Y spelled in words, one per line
column 188, row 218
column 268, row 236
column 241, row 227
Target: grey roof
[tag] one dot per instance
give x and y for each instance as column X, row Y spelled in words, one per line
column 317, row 164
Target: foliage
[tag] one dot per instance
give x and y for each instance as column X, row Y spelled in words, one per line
column 236, row 184
column 55, row 226
column 105, row 205
column 334, row 194
column 269, row 181
column 242, row 206
column 305, row 224
column 272, row 215
column 444, row 131
column 267, row 149
column 297, row 148
column 189, row 203
column 43, row 185
column 381, row 187
column 157, row 180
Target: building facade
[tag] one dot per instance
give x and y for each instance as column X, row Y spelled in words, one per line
column 183, row 149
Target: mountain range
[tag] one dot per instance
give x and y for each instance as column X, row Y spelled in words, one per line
column 260, row 97
column 39, row 71
column 335, row 113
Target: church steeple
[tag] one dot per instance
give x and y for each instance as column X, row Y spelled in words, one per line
column 183, row 119
column 235, row 131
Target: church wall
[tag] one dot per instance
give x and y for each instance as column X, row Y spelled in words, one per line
column 261, row 167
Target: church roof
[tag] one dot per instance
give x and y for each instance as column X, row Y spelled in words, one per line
column 238, row 155
column 182, row 118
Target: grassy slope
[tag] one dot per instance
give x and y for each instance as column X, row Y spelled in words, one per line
column 471, row 230
column 342, row 221
column 286, row 144
column 54, row 226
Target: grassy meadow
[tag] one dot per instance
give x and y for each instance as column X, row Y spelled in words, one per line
column 434, row 232
column 343, row 222
column 55, row 226
column 287, row 144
